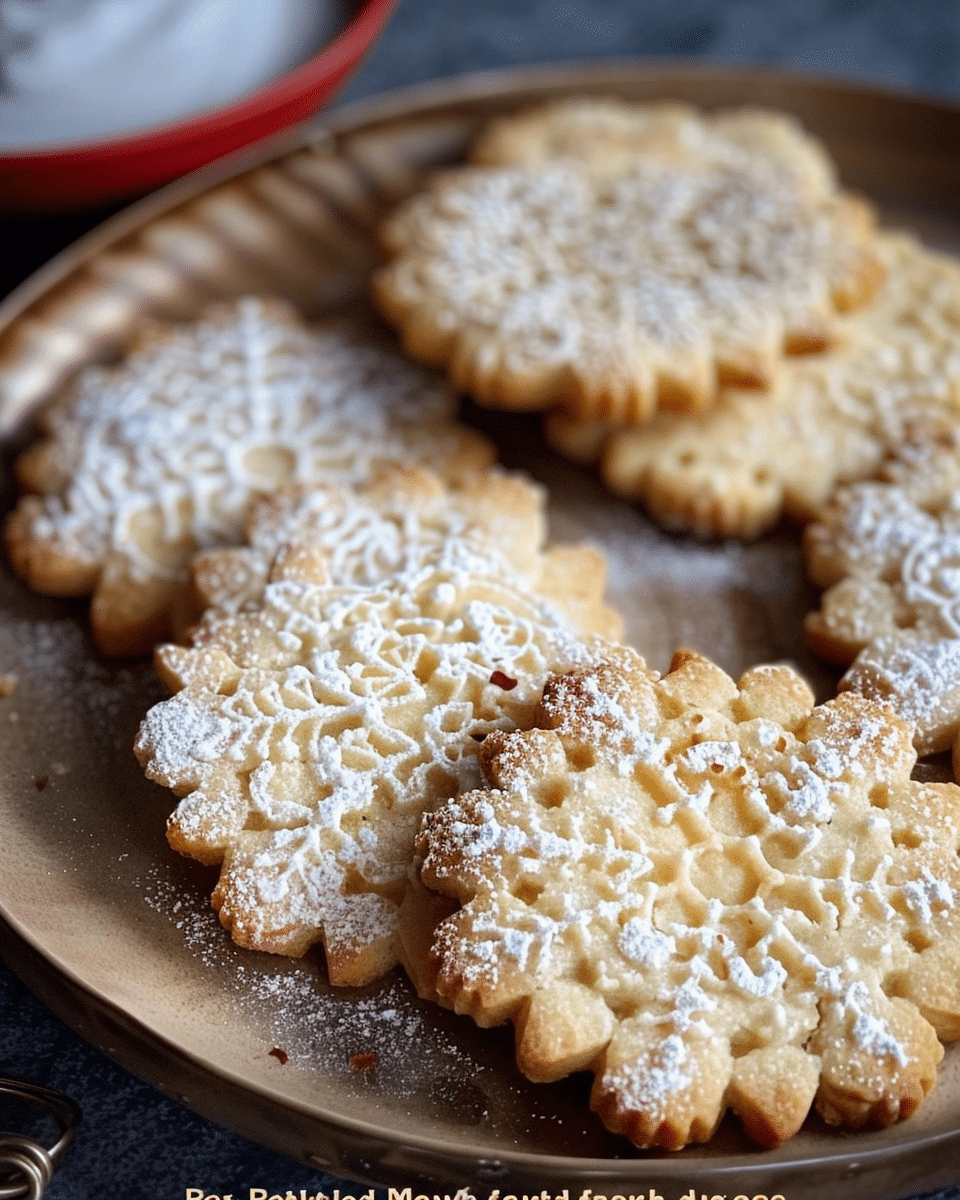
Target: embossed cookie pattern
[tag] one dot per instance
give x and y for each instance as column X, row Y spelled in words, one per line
column 308, row 737
column 365, row 535
column 710, row 894
column 612, row 297
column 887, row 553
column 144, row 463
column 832, row 417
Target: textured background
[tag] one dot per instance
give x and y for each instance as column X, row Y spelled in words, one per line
column 134, row 1142
column 904, row 43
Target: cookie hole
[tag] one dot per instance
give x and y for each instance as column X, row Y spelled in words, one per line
column 554, row 794
column 909, row 839
column 896, row 985
column 744, row 1042
column 717, row 876
column 581, row 757
column 917, row 940
column 761, row 477
column 687, row 458
column 528, row 892
column 426, row 665
column 781, row 847
column 585, row 973
column 662, row 873
column 880, row 796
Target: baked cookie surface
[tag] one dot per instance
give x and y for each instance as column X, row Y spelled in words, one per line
column 143, row 463
column 606, row 137
column 710, row 894
column 394, row 525
column 833, row 416
column 887, row 553
column 612, row 296
column 308, row 737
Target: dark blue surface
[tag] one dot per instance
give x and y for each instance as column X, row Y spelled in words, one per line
column 134, row 1142
column 903, row 43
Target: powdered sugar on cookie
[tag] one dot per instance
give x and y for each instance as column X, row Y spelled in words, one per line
column 728, row 903
column 311, row 735
column 146, row 462
column 611, row 297
column 834, row 416
column 396, row 524
column 887, row 553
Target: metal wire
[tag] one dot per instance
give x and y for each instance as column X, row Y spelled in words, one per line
column 26, row 1167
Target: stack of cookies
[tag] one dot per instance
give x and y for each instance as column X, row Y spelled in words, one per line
column 402, row 724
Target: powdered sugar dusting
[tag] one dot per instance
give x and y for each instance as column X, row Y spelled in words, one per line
column 659, row 269
column 716, row 884
column 163, row 453
column 327, row 723
column 319, row 1030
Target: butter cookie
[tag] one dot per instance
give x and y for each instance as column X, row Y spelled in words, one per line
column 143, row 463
column 614, row 296
column 306, row 739
column 606, row 137
column 732, row 472
column 887, row 553
column 394, row 525
column 710, row 894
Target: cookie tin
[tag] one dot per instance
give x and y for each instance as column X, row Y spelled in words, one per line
column 114, row 931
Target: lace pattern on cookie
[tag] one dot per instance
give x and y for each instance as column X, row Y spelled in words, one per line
column 710, row 894
column 733, row 471
column 888, row 554
column 308, row 738
column 145, row 462
column 543, row 286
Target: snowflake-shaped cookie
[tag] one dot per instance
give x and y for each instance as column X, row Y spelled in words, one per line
column 832, row 416
column 548, row 286
column 711, row 894
column 146, row 462
column 308, row 737
column 394, row 525
column 888, row 554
